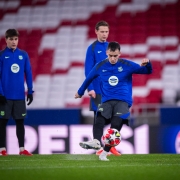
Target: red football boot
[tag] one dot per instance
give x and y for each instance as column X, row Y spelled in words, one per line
column 26, row 153
column 114, row 151
column 3, row 153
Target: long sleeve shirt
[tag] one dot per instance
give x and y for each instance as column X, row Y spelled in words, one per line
column 96, row 52
column 116, row 79
column 14, row 69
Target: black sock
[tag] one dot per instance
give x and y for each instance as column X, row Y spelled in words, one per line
column 3, row 123
column 116, row 123
column 98, row 127
column 107, row 148
column 94, row 122
column 20, row 131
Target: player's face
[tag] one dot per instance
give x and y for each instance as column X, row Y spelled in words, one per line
column 12, row 42
column 102, row 33
column 113, row 56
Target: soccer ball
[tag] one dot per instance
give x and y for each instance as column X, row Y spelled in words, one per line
column 111, row 137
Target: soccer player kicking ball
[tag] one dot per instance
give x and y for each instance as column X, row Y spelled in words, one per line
column 116, row 86
column 14, row 66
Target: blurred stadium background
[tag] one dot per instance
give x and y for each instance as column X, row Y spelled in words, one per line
column 56, row 33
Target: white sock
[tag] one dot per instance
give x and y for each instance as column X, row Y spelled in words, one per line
column 105, row 153
column 2, row 149
column 21, row 149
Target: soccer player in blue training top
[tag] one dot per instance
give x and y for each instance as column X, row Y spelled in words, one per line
column 96, row 52
column 116, row 85
column 14, row 66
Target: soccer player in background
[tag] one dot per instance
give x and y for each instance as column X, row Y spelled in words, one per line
column 96, row 52
column 14, row 67
column 116, row 85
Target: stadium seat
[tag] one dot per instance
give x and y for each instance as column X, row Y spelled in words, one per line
column 56, row 34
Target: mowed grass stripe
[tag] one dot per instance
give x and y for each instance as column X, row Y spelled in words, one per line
column 89, row 167
column 100, row 166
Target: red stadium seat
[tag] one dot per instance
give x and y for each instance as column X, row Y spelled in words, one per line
column 152, row 32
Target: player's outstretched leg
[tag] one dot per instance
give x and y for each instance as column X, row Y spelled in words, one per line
column 94, row 144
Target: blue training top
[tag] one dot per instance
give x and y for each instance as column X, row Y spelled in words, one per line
column 96, row 52
column 14, row 67
column 116, row 79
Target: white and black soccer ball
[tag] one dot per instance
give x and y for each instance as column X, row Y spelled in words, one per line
column 111, row 137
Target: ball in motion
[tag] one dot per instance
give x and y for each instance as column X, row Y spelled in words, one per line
column 111, row 137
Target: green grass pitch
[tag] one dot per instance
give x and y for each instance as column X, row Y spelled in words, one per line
column 88, row 167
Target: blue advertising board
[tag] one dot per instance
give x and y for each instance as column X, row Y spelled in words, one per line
column 51, row 116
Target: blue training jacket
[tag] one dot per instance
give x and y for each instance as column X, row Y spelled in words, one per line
column 14, row 68
column 95, row 53
column 116, row 79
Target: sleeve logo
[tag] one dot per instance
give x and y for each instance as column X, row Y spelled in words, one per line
column 20, row 57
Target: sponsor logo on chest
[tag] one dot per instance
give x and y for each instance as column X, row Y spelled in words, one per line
column 113, row 80
column 15, row 68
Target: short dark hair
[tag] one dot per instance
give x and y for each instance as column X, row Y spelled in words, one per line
column 11, row 33
column 113, row 46
column 101, row 23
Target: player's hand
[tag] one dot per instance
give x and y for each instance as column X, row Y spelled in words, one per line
column 92, row 94
column 3, row 99
column 29, row 99
column 144, row 62
column 77, row 96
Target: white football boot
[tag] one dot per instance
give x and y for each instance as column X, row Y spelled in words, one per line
column 94, row 144
column 103, row 156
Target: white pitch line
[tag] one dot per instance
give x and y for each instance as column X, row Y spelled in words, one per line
column 65, row 167
column 20, row 160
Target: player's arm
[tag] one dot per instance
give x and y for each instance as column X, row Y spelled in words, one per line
column 1, row 89
column 144, row 62
column 144, row 68
column 92, row 93
column 28, row 73
column 2, row 97
column 89, row 64
column 29, row 79
column 92, row 75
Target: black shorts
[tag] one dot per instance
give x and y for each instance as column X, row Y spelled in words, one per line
column 114, row 108
column 95, row 102
column 13, row 108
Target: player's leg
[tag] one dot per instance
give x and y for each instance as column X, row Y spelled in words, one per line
column 97, row 134
column 19, row 113
column 94, row 104
column 20, row 132
column 94, row 144
column 5, row 114
column 3, row 123
column 116, row 123
column 121, row 115
column 94, row 120
column 98, row 127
